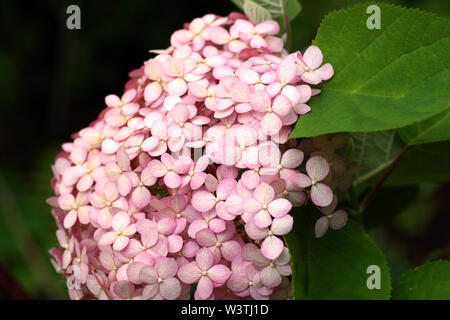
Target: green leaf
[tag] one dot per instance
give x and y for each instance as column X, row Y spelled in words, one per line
column 275, row 7
column 373, row 152
column 255, row 12
column 430, row 281
column 384, row 79
column 435, row 129
column 335, row 266
column 423, row 163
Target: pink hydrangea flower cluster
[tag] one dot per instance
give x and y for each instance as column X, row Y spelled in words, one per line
column 184, row 179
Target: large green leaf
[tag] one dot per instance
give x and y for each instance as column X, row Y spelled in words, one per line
column 435, row 129
column 275, row 7
column 430, row 281
column 384, row 79
column 335, row 266
column 373, row 152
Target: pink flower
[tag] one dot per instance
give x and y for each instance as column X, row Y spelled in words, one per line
column 286, row 72
column 141, row 220
column 317, row 169
column 309, row 65
column 124, row 104
column 271, row 270
column 160, row 280
column 272, row 246
column 122, row 231
column 196, row 176
column 335, row 220
column 221, row 36
column 170, row 169
column 291, row 159
column 77, row 207
column 141, row 195
column 205, row 273
column 220, row 244
column 271, row 122
column 264, row 206
column 204, row 201
column 255, row 34
column 245, row 280
column 105, row 199
column 120, row 172
column 207, row 220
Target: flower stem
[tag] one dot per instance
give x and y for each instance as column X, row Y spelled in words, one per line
column 287, row 26
column 383, row 178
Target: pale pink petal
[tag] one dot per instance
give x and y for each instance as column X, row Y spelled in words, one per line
column 260, row 101
column 156, row 168
column 272, row 247
column 313, row 57
column 281, row 105
column 203, row 201
column 317, row 168
column 325, row 72
column 141, row 196
column 124, row 185
column 170, row 289
column 123, row 289
column 262, row 219
column 70, row 219
column 287, row 70
column 219, row 273
column 108, row 238
column 321, row 195
column 206, row 238
column 282, row 226
column 175, row 243
column 279, row 207
column 148, row 274
column 270, row 277
column 112, row 100
column 66, row 201
column 271, row 124
column 120, row 243
column 217, row 225
column 230, row 250
column 218, row 35
column 120, row 221
column 301, row 180
column 177, row 87
column 292, row 158
column 338, row 220
column 204, row 288
column 123, row 160
column 264, row 193
column 189, row 273
column 321, row 227
column 152, row 92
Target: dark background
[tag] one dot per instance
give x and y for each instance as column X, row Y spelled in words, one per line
column 53, row 82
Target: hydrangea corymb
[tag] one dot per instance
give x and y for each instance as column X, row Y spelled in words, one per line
column 185, row 179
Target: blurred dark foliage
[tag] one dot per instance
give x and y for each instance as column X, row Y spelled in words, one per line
column 53, row 82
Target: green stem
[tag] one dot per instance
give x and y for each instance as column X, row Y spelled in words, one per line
column 287, row 26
